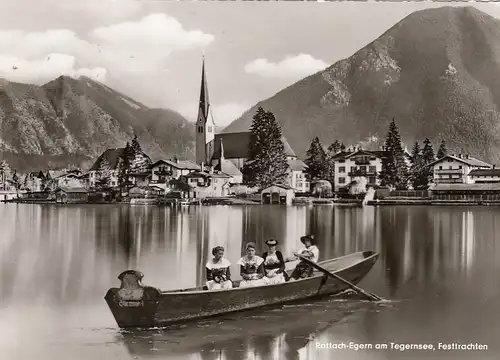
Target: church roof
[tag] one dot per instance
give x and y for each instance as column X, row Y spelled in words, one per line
column 228, row 168
column 236, row 145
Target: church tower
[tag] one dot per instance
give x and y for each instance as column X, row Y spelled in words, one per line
column 205, row 126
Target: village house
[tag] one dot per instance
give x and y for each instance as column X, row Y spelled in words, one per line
column 485, row 176
column 203, row 184
column 107, row 166
column 359, row 163
column 228, row 152
column 459, row 169
column 163, row 171
column 70, row 179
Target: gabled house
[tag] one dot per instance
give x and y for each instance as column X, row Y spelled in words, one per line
column 456, row 168
column 297, row 178
column 106, row 167
column 164, row 171
column 215, row 184
column 360, row 163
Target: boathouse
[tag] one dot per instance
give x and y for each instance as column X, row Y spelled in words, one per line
column 71, row 195
column 475, row 192
column 278, row 194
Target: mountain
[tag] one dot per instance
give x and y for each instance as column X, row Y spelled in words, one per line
column 72, row 121
column 436, row 72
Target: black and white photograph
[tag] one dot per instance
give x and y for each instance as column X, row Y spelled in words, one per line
column 249, row 180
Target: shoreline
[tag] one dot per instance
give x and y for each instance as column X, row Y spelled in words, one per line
column 296, row 202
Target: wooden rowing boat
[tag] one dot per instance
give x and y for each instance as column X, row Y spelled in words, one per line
column 136, row 305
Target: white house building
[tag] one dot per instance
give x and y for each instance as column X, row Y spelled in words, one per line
column 360, row 163
column 459, row 169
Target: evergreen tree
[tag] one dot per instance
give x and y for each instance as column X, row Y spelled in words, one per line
column 442, row 151
column 124, row 166
column 334, row 147
column 136, row 147
column 316, row 160
column 417, row 169
column 15, row 180
column 103, row 174
column 428, row 157
column 267, row 163
column 394, row 169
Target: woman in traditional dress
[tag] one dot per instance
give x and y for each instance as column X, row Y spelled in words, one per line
column 311, row 252
column 251, row 268
column 218, row 271
column 274, row 264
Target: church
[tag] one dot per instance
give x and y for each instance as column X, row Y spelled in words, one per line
column 227, row 152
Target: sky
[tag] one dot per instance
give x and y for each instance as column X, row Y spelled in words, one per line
column 152, row 50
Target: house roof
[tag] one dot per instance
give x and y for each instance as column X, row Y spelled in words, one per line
column 195, row 174
column 228, row 168
column 282, row 186
column 466, row 187
column 72, row 190
column 466, row 160
column 178, row 164
column 236, row 145
column 296, row 165
column 485, row 172
column 111, row 155
column 346, row 154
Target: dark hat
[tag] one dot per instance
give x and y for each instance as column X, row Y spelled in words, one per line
column 308, row 237
column 271, row 242
column 250, row 245
column 216, row 249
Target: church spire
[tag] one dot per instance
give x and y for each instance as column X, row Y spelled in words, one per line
column 204, row 105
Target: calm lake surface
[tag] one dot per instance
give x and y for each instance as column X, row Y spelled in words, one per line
column 438, row 266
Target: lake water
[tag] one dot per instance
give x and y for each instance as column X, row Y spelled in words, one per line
column 438, row 266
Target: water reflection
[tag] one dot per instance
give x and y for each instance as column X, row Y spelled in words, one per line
column 60, row 260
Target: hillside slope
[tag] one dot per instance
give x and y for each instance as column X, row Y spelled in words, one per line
column 437, row 72
column 72, row 121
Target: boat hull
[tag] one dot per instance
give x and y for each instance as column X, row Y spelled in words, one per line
column 153, row 308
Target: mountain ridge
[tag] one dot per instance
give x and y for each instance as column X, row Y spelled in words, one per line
column 436, row 72
column 70, row 121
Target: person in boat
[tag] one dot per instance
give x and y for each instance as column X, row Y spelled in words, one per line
column 311, row 252
column 274, row 264
column 251, row 268
column 218, row 271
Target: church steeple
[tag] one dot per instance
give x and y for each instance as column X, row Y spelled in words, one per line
column 205, row 126
column 204, row 105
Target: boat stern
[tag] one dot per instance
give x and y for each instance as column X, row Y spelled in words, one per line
column 133, row 304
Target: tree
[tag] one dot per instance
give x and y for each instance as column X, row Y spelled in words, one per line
column 394, row 169
column 334, row 147
column 316, row 160
column 136, row 146
column 124, row 166
column 103, row 174
column 4, row 174
column 428, row 157
column 442, row 151
column 15, row 180
column 418, row 176
column 267, row 163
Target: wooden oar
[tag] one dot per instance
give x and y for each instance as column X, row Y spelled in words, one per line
column 351, row 285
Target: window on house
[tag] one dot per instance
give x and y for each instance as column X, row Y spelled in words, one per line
column 460, row 167
column 341, row 180
column 200, row 129
column 373, row 168
column 440, row 168
column 342, row 169
column 210, row 128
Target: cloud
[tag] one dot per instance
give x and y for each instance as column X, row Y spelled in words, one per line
column 49, row 68
column 148, row 41
column 300, row 65
column 223, row 114
column 127, row 48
